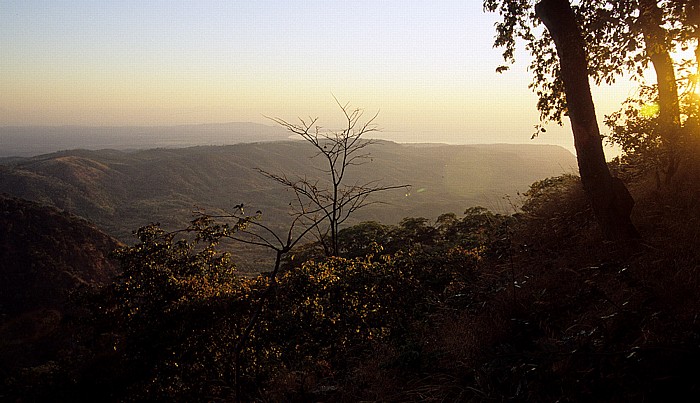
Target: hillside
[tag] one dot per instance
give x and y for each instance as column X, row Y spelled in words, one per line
column 46, row 256
column 121, row 191
column 477, row 307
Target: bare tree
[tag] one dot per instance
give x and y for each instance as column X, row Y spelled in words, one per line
column 331, row 199
column 314, row 204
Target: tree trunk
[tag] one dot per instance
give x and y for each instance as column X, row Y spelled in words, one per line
column 657, row 49
column 611, row 202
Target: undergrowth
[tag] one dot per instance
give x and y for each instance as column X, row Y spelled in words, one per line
column 566, row 316
column 479, row 307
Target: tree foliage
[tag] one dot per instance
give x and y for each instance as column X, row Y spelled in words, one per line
column 171, row 315
column 613, row 32
column 622, row 39
column 635, row 129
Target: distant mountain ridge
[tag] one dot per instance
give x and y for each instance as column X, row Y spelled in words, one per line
column 121, row 191
column 27, row 141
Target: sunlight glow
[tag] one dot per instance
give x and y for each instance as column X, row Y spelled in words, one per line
column 649, row 110
column 428, row 67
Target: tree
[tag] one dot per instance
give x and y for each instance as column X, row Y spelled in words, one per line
column 332, row 200
column 611, row 202
column 657, row 48
column 654, row 127
column 181, row 276
column 315, row 204
column 621, row 38
column 169, row 304
column 637, row 130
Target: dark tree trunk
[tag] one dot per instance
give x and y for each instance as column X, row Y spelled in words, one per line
column 657, row 49
column 611, row 202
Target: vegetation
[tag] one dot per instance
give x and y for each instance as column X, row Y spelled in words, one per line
column 47, row 257
column 533, row 306
column 603, row 40
column 473, row 307
column 176, row 312
column 621, row 38
column 121, row 191
column 636, row 130
column 611, row 201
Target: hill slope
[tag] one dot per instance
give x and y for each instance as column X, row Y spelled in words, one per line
column 121, row 191
column 45, row 254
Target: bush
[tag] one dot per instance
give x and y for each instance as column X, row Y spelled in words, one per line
column 179, row 308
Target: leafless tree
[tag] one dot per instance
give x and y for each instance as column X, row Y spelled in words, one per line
column 330, row 199
column 316, row 202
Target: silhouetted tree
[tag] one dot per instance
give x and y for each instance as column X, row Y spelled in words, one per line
column 331, row 199
column 654, row 128
column 611, row 202
column 570, row 92
column 621, row 38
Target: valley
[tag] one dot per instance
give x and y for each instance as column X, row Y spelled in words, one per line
column 121, row 191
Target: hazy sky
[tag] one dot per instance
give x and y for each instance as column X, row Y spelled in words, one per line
column 427, row 65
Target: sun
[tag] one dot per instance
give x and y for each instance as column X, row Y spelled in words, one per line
column 649, row 110
column 686, row 61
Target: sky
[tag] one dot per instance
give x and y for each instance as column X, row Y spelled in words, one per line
column 428, row 67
